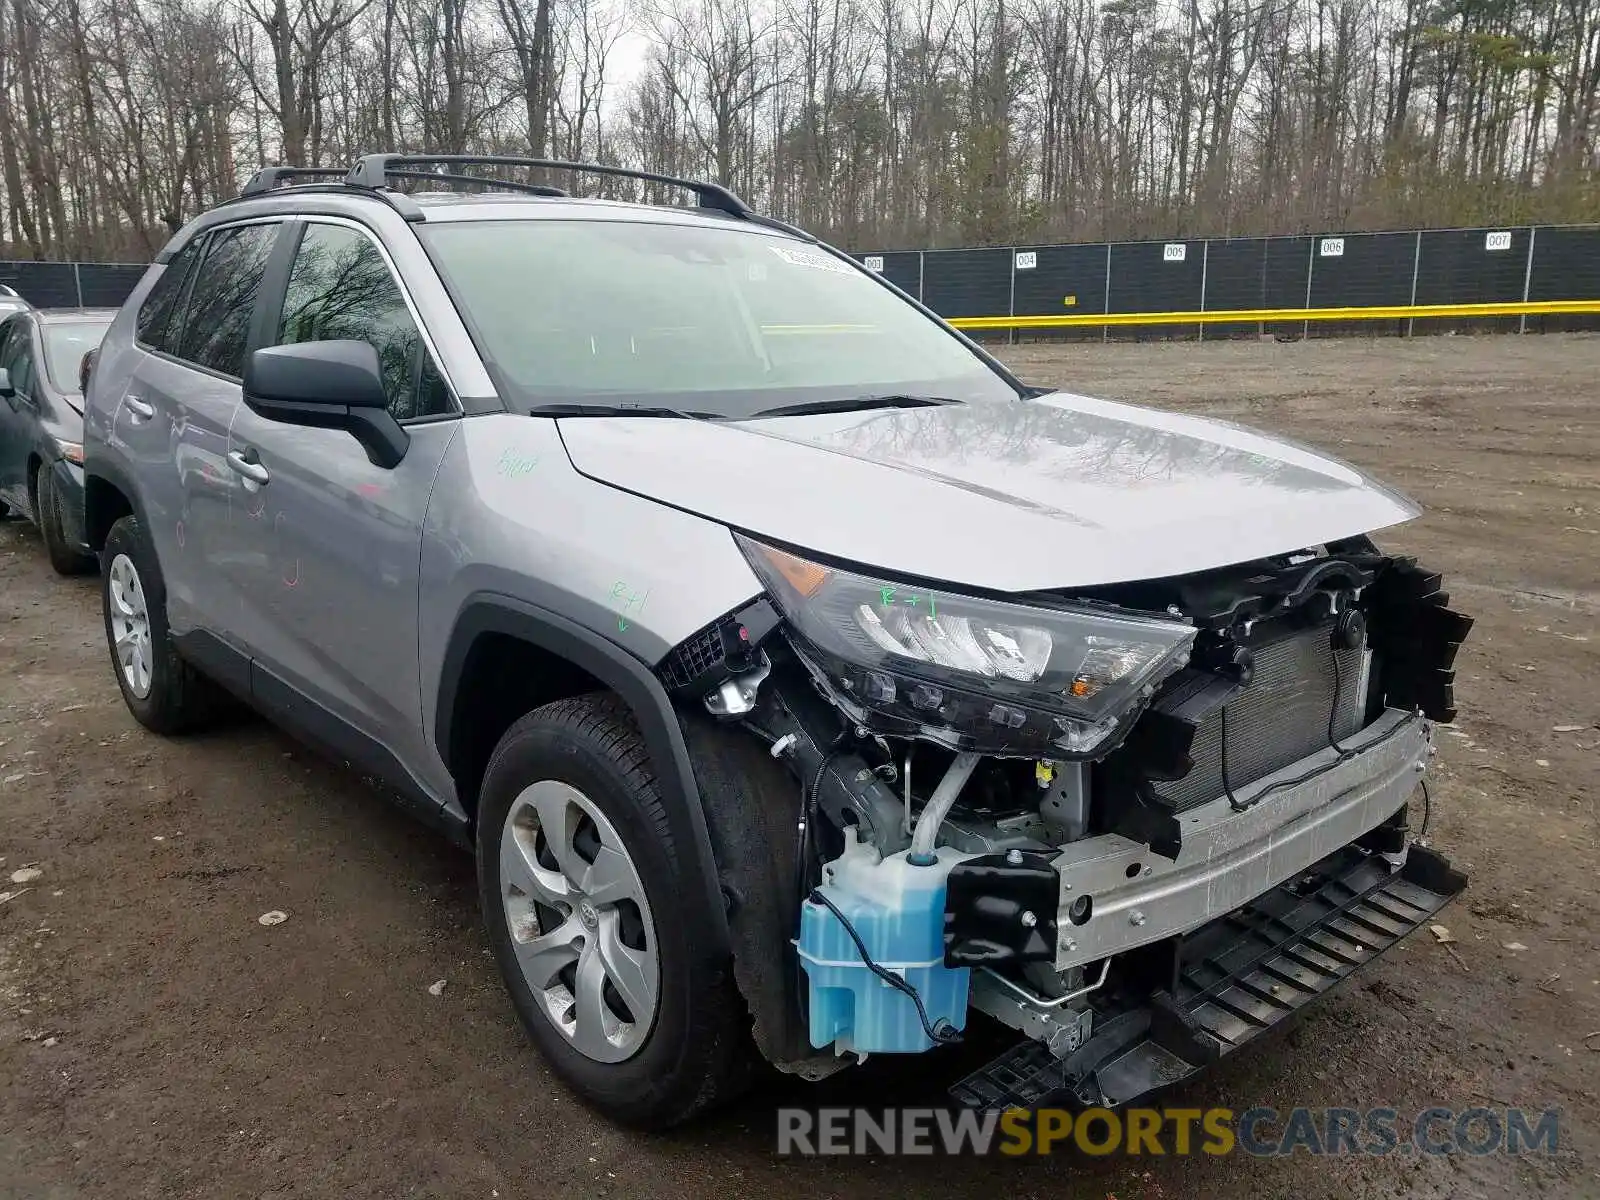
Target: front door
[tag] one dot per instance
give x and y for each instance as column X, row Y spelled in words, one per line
column 325, row 543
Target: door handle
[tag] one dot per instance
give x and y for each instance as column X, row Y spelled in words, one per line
column 245, row 463
column 142, row 410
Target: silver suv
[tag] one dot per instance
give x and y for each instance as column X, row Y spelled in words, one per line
column 803, row 681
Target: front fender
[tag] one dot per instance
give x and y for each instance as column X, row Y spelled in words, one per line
column 630, row 678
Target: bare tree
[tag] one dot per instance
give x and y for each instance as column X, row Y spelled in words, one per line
column 531, row 47
column 880, row 123
column 298, row 37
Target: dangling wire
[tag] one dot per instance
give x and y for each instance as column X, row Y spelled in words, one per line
column 1338, row 691
column 1343, row 752
column 805, row 843
column 1227, row 788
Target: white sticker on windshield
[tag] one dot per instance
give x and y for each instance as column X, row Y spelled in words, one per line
column 816, row 259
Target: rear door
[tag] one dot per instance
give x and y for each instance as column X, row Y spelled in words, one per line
column 325, row 545
column 173, row 421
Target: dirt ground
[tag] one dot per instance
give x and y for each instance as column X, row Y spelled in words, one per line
column 156, row 1040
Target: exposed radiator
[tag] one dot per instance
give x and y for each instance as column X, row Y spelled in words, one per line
column 1279, row 719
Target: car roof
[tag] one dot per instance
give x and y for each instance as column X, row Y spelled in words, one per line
column 442, row 207
column 68, row 316
column 491, row 206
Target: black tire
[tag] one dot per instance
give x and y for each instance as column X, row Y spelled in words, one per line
column 64, row 558
column 698, row 1051
column 179, row 699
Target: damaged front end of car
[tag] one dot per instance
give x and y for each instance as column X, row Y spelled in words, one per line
column 1137, row 824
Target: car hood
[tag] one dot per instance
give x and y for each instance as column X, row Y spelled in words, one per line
column 1054, row 492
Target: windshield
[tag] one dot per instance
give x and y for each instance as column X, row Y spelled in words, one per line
column 65, row 344
column 721, row 321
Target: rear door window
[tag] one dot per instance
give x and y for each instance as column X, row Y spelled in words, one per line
column 216, row 321
column 160, row 321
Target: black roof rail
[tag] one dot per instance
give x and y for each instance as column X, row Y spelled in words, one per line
column 372, row 170
column 784, row 227
column 532, row 189
column 268, row 178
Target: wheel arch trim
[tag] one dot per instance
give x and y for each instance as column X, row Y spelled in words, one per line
column 631, row 679
column 113, row 475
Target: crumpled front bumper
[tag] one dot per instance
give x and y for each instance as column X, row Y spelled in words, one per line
column 68, row 479
column 1116, row 895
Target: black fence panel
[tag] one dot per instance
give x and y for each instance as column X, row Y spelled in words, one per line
column 107, row 285
column 42, row 284
column 1471, row 266
column 1152, row 277
column 1065, row 280
column 1285, row 274
column 1236, row 279
column 72, row 285
column 1566, row 266
column 967, row 283
column 903, row 268
column 1361, row 270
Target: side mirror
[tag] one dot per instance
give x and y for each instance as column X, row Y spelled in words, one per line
column 327, row 385
column 6, row 389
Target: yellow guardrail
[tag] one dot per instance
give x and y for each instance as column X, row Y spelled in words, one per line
column 1262, row 315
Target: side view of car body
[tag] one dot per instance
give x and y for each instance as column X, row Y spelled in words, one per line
column 803, row 682
column 41, row 424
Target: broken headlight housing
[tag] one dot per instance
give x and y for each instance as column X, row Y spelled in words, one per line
column 975, row 674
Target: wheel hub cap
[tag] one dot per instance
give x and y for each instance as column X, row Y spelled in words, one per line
column 130, row 624
column 580, row 924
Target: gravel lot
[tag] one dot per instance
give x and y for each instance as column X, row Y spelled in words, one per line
column 155, row 1040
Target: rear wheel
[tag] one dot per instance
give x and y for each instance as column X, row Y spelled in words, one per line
column 589, row 916
column 65, row 558
column 164, row 693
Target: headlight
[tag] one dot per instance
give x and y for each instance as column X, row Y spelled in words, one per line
column 71, row 451
column 977, row 674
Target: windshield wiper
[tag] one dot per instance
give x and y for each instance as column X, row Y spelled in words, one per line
column 569, row 409
column 806, row 408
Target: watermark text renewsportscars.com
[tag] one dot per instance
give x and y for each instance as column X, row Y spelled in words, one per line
column 1150, row 1132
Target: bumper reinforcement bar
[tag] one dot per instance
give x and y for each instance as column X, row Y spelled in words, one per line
column 1225, row 983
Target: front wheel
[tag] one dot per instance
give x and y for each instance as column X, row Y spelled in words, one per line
column 590, row 920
